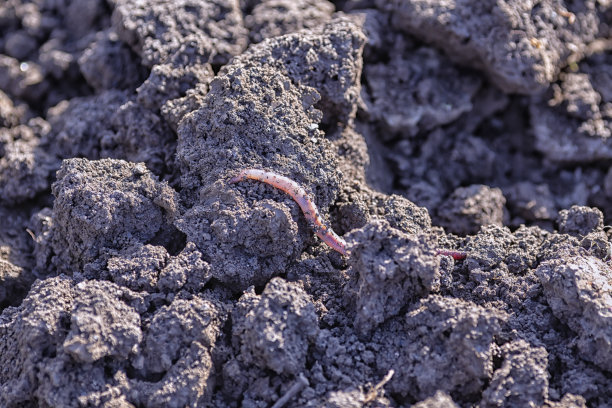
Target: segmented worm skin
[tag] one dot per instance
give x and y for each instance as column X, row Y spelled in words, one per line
column 457, row 255
column 300, row 196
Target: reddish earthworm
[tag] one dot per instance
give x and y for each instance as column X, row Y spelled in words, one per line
column 300, row 196
column 457, row 255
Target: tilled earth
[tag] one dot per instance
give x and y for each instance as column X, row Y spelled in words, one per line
column 134, row 274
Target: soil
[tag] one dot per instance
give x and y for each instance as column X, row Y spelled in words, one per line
column 134, row 274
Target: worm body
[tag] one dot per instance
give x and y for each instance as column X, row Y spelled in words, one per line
column 300, row 196
column 457, row 255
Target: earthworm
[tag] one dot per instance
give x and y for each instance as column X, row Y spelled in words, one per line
column 300, row 196
column 457, row 255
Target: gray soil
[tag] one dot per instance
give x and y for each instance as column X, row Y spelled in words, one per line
column 133, row 274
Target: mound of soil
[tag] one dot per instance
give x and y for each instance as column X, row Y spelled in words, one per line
column 460, row 150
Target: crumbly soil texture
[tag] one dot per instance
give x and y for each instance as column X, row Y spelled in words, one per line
column 134, row 274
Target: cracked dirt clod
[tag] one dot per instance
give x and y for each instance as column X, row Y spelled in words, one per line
column 271, row 18
column 176, row 363
column 25, row 165
column 470, row 208
column 110, row 64
column 522, row 379
column 575, row 117
column 388, row 270
column 101, row 324
column 41, row 319
column 417, row 91
column 156, row 29
column 579, row 292
column 110, row 124
column 429, row 177
column 327, row 58
column 520, row 45
column 177, row 326
column 79, row 125
column 356, row 208
column 580, row 221
column 533, row 202
column 189, row 381
column 58, row 336
column 445, row 344
column 138, row 267
column 186, row 271
column 275, row 328
column 105, row 205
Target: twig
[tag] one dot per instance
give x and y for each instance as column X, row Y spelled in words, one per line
column 301, row 383
column 373, row 394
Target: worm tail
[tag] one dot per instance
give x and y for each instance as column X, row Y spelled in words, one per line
column 457, row 255
column 236, row 179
